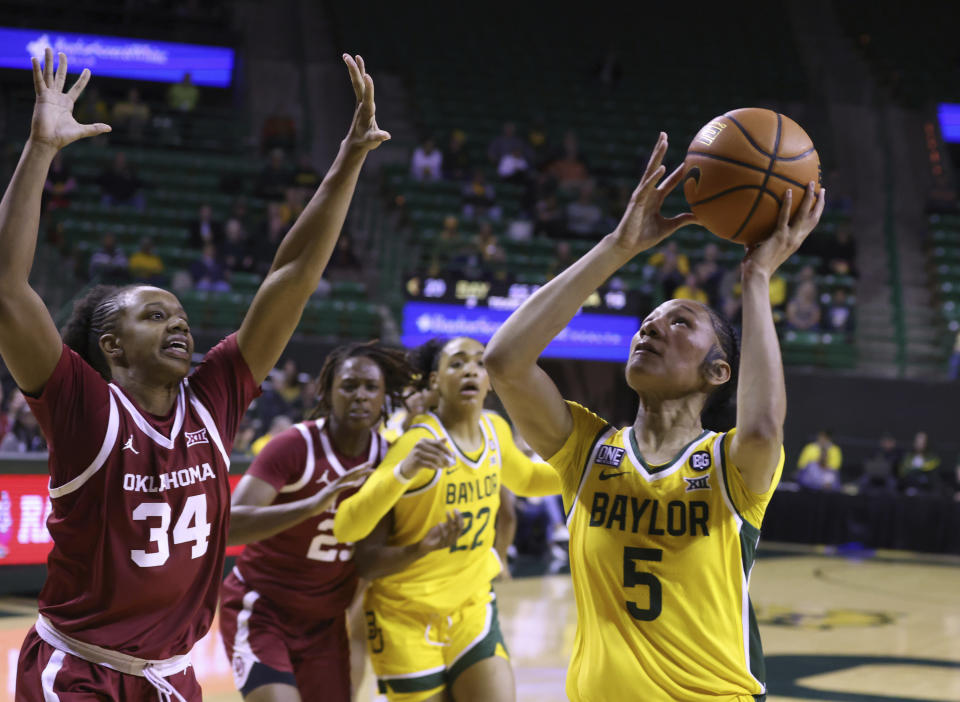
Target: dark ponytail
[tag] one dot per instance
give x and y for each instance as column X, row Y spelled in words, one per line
column 720, row 411
column 425, row 359
column 94, row 315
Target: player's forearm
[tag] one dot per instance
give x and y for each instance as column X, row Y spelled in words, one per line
column 249, row 523
column 375, row 562
column 761, row 391
column 305, row 250
column 20, row 216
column 360, row 513
column 519, row 342
column 532, row 479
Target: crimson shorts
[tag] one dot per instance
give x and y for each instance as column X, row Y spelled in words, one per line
column 266, row 646
column 44, row 673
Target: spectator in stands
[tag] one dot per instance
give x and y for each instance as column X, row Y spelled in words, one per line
column 279, row 131
column 839, row 317
column 507, row 142
column 275, row 177
column 880, row 469
column 59, row 185
column 145, row 266
column 710, row 272
column 427, row 161
column 25, row 435
column 289, row 384
column 457, row 164
column 279, row 424
column 264, row 247
column 236, row 252
column 778, row 297
column 691, row 290
column 819, row 463
column 538, row 143
column 513, row 166
column 294, row 201
column 952, row 483
column 487, row 246
column 183, row 96
column 584, row 217
column 305, row 176
column 205, row 230
column 130, row 116
column 569, row 170
column 803, row 310
column 479, row 198
column 919, row 468
column 549, row 216
column 208, row 273
column 120, row 184
column 245, row 436
column 841, row 254
column 108, row 264
column 670, row 267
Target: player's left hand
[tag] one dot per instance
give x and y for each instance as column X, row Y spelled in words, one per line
column 364, row 131
column 326, row 499
column 768, row 255
column 445, row 534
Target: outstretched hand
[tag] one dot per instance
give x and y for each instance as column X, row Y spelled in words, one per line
column 768, row 255
column 642, row 225
column 364, row 131
column 53, row 123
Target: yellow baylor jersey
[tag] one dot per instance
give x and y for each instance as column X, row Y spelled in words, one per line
column 661, row 559
column 443, row 579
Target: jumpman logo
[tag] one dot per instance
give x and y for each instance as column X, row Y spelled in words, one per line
column 129, row 445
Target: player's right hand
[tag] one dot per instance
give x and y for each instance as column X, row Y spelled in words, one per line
column 444, row 534
column 53, row 124
column 427, row 453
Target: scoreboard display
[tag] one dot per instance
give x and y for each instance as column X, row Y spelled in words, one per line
column 450, row 307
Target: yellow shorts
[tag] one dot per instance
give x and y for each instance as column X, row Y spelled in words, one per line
column 416, row 652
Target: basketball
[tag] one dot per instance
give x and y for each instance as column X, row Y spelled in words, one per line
column 738, row 169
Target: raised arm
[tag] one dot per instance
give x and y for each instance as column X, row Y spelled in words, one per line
column 305, row 250
column 761, row 394
column 29, row 342
column 529, row 395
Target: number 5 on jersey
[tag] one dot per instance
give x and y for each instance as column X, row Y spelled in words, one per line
column 191, row 526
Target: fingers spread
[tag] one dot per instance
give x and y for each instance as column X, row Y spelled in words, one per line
column 48, row 67
column 672, row 181
column 78, row 87
column 785, row 208
column 368, row 90
column 37, row 75
column 355, row 76
column 657, row 156
column 61, row 75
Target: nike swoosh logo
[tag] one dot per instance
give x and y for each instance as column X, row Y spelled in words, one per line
column 607, row 476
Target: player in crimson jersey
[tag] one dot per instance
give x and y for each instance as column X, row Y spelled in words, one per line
column 139, row 452
column 283, row 607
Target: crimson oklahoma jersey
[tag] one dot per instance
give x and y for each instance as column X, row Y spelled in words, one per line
column 140, row 504
column 304, row 569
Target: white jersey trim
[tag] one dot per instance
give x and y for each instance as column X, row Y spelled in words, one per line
column 109, row 440
column 463, row 457
column 309, row 465
column 208, row 422
column 144, row 425
column 49, row 676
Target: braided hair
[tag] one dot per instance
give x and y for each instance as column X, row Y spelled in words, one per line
column 95, row 314
column 719, row 413
column 398, row 373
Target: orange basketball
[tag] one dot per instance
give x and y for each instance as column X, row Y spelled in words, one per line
column 738, row 169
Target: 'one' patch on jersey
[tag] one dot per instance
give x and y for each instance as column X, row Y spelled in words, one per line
column 610, row 455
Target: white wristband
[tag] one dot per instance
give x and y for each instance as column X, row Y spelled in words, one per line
column 398, row 474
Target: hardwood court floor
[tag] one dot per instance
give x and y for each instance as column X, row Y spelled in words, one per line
column 852, row 629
